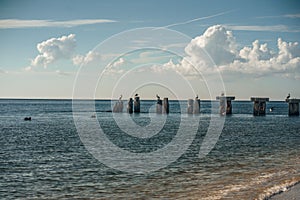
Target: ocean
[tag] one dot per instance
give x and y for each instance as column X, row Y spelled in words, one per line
column 46, row 158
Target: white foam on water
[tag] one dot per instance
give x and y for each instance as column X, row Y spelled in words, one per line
column 276, row 189
column 252, row 183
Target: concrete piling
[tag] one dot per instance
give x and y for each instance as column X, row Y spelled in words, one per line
column 118, row 107
column 225, row 104
column 130, row 106
column 165, row 106
column 190, row 107
column 259, row 106
column 196, row 109
column 159, row 106
column 293, row 106
column 136, row 104
column 193, row 106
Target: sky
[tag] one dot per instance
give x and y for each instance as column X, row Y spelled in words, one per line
column 101, row 49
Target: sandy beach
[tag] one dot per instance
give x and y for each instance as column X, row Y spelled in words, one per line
column 291, row 194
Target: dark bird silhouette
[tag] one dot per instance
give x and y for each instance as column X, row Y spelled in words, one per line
column 136, row 95
column 197, row 96
column 157, row 96
column 120, row 97
column 222, row 94
column 288, row 96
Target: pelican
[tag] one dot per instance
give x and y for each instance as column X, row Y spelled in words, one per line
column 158, row 97
column 136, row 95
column 197, row 96
column 288, row 96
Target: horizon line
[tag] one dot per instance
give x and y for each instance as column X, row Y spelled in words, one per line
column 107, row 99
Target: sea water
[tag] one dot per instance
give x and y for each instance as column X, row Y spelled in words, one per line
column 45, row 158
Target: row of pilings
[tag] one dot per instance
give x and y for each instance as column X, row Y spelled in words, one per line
column 193, row 105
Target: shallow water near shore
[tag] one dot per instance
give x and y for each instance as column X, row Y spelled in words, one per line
column 254, row 157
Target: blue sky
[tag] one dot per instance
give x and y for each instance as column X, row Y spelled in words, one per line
column 25, row 24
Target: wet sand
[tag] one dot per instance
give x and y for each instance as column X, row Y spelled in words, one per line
column 291, row 194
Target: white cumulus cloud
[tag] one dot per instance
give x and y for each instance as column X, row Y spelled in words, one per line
column 54, row 49
column 92, row 57
column 218, row 42
column 221, row 47
column 259, row 59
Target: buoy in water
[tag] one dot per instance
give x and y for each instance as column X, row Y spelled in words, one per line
column 27, row 119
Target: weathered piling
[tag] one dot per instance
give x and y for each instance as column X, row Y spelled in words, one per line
column 225, row 104
column 159, row 106
column 293, row 106
column 259, row 106
column 118, row 107
column 190, row 106
column 196, row 109
column 130, row 106
column 136, row 104
column 166, row 106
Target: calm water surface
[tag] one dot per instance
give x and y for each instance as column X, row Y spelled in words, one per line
column 45, row 158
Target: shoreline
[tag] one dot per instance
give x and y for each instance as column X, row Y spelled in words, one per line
column 291, row 192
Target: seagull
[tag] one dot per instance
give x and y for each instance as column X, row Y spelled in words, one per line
column 158, row 97
column 288, row 96
column 271, row 109
column 120, row 97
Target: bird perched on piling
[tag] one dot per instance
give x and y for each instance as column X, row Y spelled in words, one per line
column 136, row 95
column 120, row 98
column 158, row 97
column 288, row 96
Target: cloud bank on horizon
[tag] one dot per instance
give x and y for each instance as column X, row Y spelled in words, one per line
column 217, row 41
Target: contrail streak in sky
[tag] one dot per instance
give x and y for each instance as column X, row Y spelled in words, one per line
column 197, row 19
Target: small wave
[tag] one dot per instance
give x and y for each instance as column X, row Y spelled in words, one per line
column 277, row 189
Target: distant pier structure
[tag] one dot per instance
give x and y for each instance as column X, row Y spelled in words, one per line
column 225, row 104
column 136, row 104
column 293, row 106
column 259, row 106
